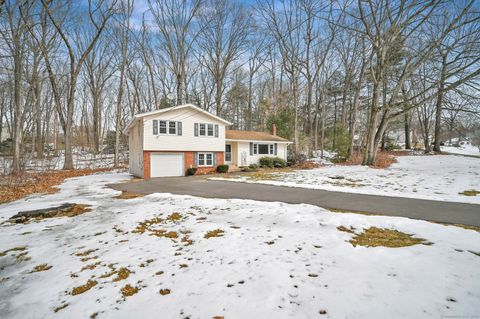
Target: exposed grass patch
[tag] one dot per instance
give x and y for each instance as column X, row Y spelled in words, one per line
column 336, row 210
column 374, row 237
column 165, row 291
column 186, row 240
column 23, row 256
column 4, row 253
column 128, row 195
column 214, row 233
column 122, row 274
column 83, row 288
column 346, row 230
column 84, row 259
column 174, row 217
column 91, row 266
column 85, row 253
column 147, row 262
column 146, row 225
column 41, row 267
column 470, row 192
column 128, row 290
column 57, row 309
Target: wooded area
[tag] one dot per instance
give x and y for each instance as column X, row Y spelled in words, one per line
column 341, row 75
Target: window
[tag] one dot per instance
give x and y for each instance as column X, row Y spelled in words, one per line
column 209, row 159
column 205, row 129
column 205, row 159
column 263, row 149
column 167, row 127
column 163, row 127
column 202, row 130
column 201, row 159
column 172, row 127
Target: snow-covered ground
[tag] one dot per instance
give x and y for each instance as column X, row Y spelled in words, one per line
column 81, row 160
column 440, row 177
column 467, row 149
column 274, row 260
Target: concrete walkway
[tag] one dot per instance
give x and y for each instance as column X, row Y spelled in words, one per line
column 438, row 211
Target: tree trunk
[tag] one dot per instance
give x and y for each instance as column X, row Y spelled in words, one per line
column 17, row 122
column 370, row 149
column 407, row 131
column 439, row 106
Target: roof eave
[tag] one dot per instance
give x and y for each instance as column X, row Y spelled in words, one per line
column 259, row 141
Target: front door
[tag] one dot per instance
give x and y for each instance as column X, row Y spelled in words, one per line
column 228, row 153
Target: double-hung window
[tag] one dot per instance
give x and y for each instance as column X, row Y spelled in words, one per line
column 202, row 130
column 172, row 127
column 162, row 127
column 206, row 130
column 205, row 159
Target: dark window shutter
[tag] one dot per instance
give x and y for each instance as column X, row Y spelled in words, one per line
column 275, row 149
column 155, row 127
column 196, row 155
column 251, row 148
column 214, row 159
column 195, row 129
column 216, row 130
column 179, row 128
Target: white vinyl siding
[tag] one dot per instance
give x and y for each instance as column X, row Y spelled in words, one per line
column 187, row 140
column 239, row 148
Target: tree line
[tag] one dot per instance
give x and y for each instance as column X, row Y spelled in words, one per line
column 336, row 74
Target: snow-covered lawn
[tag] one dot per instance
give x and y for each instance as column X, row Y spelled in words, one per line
column 440, row 177
column 462, row 150
column 274, row 260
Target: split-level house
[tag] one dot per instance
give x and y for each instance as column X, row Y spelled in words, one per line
column 167, row 142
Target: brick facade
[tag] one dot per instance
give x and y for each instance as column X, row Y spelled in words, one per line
column 146, row 164
column 189, row 161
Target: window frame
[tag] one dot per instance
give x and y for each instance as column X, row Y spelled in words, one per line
column 270, row 148
column 200, row 129
column 206, row 129
column 205, row 159
column 160, row 127
column 175, row 127
column 167, row 127
column 210, row 126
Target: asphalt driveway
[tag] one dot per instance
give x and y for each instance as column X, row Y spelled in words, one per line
column 437, row 211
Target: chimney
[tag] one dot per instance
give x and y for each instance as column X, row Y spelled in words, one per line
column 274, row 129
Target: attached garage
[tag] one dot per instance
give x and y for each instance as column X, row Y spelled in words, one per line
column 166, row 164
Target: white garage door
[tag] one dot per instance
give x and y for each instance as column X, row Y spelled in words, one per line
column 166, row 165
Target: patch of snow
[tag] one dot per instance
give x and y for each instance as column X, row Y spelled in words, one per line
column 440, row 177
column 467, row 149
column 327, row 157
column 263, row 267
